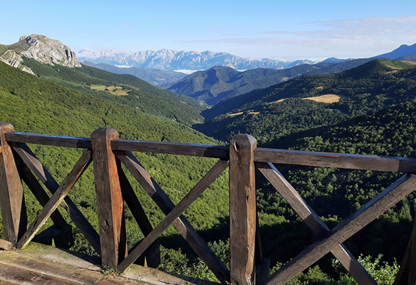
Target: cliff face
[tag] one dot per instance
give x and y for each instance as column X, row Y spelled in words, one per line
column 39, row 48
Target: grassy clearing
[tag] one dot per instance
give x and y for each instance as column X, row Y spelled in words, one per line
column 278, row 101
column 327, row 98
column 399, row 64
column 235, row 114
column 240, row 113
column 115, row 90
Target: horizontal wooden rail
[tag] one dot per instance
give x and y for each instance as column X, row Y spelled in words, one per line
column 338, row 160
column 294, row 157
column 200, row 150
column 63, row 141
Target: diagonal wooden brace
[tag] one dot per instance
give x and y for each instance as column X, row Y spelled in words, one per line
column 47, row 179
column 181, row 224
column 350, row 226
column 313, row 221
column 56, row 198
column 199, row 188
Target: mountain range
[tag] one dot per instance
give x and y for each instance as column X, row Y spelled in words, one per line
column 171, row 60
column 219, row 82
column 221, row 78
column 156, row 77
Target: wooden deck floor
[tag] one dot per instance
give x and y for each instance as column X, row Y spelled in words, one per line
column 40, row 264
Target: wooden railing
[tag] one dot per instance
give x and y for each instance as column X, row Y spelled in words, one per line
column 107, row 153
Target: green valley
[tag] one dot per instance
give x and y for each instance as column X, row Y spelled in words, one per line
column 34, row 105
column 279, row 110
column 142, row 95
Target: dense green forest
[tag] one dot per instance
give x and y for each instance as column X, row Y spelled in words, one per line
column 281, row 109
column 374, row 116
column 34, row 105
column 141, row 95
column 221, row 82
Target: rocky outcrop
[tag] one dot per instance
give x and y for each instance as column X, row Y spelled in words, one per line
column 11, row 58
column 48, row 51
column 41, row 49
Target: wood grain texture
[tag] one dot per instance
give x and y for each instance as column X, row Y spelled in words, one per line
column 181, row 224
column 62, row 141
column 6, row 245
column 109, row 198
column 338, row 160
column 370, row 211
column 314, row 222
column 12, row 205
column 242, row 208
column 172, row 148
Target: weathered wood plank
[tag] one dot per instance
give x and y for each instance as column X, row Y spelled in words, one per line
column 370, row 211
column 56, row 198
column 349, row 161
column 63, row 141
column 41, row 196
column 12, row 205
column 242, row 208
column 314, row 222
column 47, row 266
column 152, row 255
column 181, row 224
column 74, row 213
column 16, row 275
column 6, row 245
column 201, row 150
column 125, row 145
column 199, row 188
column 338, row 160
column 109, row 198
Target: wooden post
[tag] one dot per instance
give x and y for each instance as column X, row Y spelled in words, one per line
column 109, row 198
column 13, row 209
column 242, row 208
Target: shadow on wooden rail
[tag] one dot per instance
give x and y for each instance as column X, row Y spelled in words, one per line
column 107, row 153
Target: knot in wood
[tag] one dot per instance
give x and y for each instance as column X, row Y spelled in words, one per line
column 106, row 226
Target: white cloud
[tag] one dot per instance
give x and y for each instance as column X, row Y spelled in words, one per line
column 342, row 38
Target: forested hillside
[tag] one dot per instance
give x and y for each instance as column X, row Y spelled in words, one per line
column 334, row 193
column 220, row 82
column 34, row 105
column 129, row 90
column 283, row 109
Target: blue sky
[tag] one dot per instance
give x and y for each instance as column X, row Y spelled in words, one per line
column 255, row 29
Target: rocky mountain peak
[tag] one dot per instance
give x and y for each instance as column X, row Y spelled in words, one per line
column 41, row 49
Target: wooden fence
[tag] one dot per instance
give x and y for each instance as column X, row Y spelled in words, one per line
column 107, row 153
